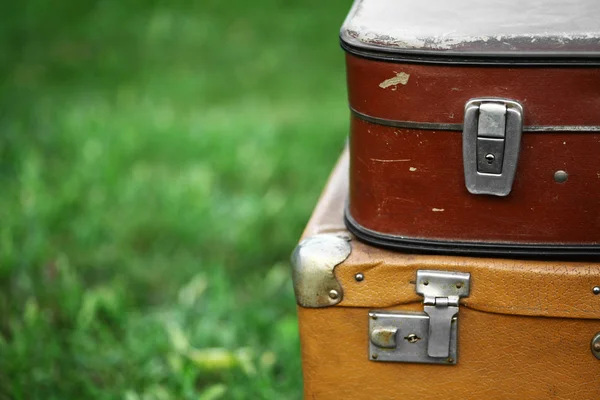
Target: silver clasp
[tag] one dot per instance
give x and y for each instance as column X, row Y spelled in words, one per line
column 429, row 337
column 441, row 291
column 491, row 145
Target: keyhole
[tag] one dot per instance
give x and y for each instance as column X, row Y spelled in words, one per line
column 490, row 158
column 412, row 338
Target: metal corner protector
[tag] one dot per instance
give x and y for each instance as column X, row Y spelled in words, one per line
column 313, row 262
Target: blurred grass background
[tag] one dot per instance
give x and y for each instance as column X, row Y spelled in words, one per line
column 158, row 161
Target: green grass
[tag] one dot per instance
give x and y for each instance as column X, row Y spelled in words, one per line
column 158, row 161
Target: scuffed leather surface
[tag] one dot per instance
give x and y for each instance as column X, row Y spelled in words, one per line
column 501, row 357
column 549, row 289
column 328, row 215
column 399, row 176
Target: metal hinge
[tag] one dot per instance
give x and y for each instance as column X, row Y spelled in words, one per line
column 429, row 337
column 491, row 145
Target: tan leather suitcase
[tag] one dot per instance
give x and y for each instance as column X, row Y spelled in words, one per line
column 377, row 324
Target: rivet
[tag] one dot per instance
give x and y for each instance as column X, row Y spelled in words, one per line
column 596, row 290
column 561, row 176
column 425, row 283
column 450, row 360
column 596, row 346
column 333, row 294
column 373, row 316
column 374, row 356
column 490, row 158
column 459, row 285
column 359, row 277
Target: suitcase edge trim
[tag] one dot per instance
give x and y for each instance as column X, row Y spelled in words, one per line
column 485, row 249
column 374, row 52
column 458, row 127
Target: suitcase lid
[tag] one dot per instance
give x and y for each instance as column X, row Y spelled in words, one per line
column 501, row 29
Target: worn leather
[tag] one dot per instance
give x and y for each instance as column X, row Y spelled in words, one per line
column 501, row 357
column 328, row 215
column 514, row 287
column 410, row 182
column 524, row 331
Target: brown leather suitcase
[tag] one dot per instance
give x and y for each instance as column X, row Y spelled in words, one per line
column 521, row 82
column 377, row 324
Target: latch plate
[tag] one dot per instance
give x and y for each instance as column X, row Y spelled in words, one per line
column 429, row 337
column 492, row 132
column 409, row 338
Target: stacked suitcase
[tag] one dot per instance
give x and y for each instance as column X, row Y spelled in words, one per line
column 455, row 251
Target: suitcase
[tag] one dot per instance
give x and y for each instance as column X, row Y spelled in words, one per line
column 475, row 126
column 378, row 324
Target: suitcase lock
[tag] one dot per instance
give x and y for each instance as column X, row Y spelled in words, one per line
column 491, row 144
column 430, row 337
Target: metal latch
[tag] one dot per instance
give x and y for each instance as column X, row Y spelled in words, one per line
column 491, row 145
column 429, row 337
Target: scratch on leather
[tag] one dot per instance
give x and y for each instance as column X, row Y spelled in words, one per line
column 385, row 161
column 400, row 78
